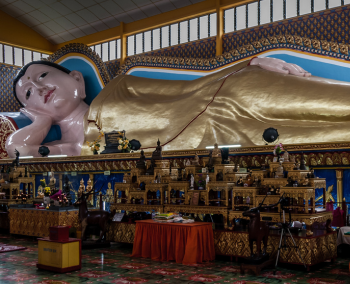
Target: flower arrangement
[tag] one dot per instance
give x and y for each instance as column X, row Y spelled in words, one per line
column 124, row 145
column 43, row 183
column 47, row 191
column 278, row 149
column 95, row 146
column 201, row 182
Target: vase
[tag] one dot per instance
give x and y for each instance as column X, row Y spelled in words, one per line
column 95, row 152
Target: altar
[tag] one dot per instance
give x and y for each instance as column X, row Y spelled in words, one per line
column 36, row 222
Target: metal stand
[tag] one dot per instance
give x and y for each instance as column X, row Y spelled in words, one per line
column 285, row 229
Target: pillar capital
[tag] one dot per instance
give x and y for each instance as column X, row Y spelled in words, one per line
column 339, row 174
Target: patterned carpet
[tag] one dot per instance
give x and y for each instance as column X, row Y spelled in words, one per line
column 114, row 265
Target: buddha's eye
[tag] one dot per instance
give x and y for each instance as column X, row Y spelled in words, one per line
column 43, row 75
column 29, row 92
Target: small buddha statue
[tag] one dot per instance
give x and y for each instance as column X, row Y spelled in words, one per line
column 192, row 181
column 81, row 189
column 302, row 162
column 312, row 173
column 40, row 192
column 279, row 172
column 285, row 156
column 188, row 163
column 141, row 164
column 52, row 183
column 89, row 189
column 216, row 151
column 109, row 189
column 292, row 158
column 157, row 154
column 195, row 161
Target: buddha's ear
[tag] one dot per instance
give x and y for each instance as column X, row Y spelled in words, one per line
column 79, row 77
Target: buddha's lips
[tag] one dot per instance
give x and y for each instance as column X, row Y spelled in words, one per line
column 47, row 96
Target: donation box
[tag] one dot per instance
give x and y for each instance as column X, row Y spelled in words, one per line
column 59, row 233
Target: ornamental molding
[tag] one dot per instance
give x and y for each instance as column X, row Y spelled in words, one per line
column 85, row 50
column 313, row 46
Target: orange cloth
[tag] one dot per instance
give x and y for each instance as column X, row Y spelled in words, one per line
column 184, row 243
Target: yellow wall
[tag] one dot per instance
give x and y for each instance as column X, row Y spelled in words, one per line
column 16, row 33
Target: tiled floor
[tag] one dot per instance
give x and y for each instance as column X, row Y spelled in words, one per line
column 114, row 265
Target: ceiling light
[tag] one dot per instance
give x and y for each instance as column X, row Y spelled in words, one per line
column 26, row 157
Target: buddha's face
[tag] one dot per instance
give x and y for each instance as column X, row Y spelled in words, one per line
column 50, row 91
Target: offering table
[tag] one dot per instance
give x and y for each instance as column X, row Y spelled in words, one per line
column 185, row 243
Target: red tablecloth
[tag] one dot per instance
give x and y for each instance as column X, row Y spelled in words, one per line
column 184, row 243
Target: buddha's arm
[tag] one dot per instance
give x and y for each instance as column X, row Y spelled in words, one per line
column 27, row 140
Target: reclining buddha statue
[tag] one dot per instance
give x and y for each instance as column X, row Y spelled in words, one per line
column 233, row 105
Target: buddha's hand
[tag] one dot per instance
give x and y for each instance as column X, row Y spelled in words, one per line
column 280, row 66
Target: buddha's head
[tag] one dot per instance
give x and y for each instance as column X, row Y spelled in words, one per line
column 49, row 88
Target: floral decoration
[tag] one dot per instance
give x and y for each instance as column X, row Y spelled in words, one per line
column 95, row 146
column 47, row 191
column 124, row 144
column 43, row 183
column 278, row 149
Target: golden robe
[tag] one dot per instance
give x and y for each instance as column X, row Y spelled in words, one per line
column 303, row 109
